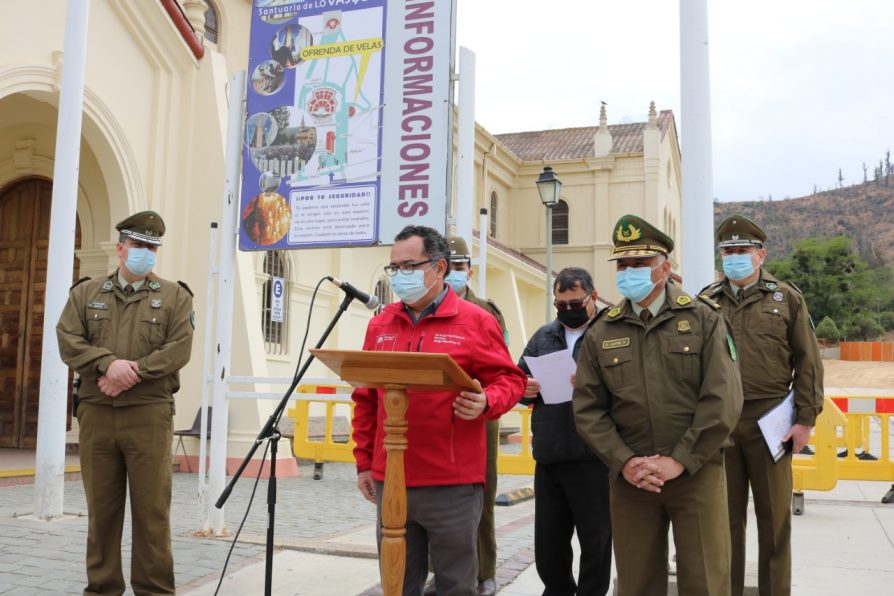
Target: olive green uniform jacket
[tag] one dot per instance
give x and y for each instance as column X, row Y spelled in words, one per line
column 490, row 307
column 153, row 327
column 670, row 389
column 487, row 537
column 777, row 346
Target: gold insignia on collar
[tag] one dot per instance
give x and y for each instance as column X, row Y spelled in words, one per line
column 154, row 285
column 683, row 326
column 614, row 312
column 108, row 285
column 683, row 300
column 629, row 234
column 610, row 344
column 770, row 285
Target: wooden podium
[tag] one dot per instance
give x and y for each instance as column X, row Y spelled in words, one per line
column 396, row 372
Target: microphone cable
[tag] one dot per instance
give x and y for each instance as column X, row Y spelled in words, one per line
column 254, row 489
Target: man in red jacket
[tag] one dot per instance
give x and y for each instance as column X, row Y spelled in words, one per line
column 445, row 460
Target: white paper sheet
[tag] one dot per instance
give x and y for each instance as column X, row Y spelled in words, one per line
column 553, row 372
column 775, row 423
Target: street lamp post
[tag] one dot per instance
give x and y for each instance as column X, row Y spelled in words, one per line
column 550, row 188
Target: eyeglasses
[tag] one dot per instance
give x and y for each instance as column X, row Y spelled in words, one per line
column 407, row 268
column 576, row 304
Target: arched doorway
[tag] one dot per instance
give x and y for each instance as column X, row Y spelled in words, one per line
column 24, row 241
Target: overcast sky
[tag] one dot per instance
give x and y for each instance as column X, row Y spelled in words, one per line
column 799, row 88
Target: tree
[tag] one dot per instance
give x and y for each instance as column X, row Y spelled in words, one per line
column 827, row 329
column 837, row 283
column 840, row 178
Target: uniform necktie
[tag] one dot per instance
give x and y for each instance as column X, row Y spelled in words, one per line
column 128, row 290
column 646, row 315
column 740, row 293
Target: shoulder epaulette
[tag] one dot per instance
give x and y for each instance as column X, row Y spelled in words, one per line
column 185, row 287
column 794, row 287
column 494, row 306
column 599, row 314
column 79, row 282
column 707, row 300
column 712, row 289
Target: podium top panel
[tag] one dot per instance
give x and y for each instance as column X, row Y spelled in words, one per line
column 413, row 370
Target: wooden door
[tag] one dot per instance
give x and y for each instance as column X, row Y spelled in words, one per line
column 24, row 241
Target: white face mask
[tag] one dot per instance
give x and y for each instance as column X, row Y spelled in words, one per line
column 410, row 287
column 458, row 280
column 140, row 261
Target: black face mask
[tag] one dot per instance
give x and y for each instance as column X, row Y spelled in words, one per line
column 573, row 318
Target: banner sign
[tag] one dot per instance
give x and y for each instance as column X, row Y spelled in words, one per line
column 346, row 139
column 278, row 290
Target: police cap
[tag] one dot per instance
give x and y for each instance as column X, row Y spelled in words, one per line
column 459, row 250
column 145, row 226
column 636, row 238
column 738, row 230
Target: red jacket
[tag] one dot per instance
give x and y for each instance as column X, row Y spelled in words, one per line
column 442, row 448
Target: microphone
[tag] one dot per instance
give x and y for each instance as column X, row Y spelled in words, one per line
column 370, row 302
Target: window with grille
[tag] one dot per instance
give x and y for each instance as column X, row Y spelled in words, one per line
column 211, row 27
column 560, row 223
column 383, row 293
column 275, row 302
column 493, row 214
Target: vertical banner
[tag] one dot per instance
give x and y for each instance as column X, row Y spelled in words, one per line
column 415, row 139
column 346, row 138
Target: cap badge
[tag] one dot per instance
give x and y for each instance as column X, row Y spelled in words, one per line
column 735, row 237
column 629, row 234
column 683, row 326
column 683, row 300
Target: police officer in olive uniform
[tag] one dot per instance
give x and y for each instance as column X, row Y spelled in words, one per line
column 459, row 277
column 656, row 396
column 777, row 353
column 127, row 336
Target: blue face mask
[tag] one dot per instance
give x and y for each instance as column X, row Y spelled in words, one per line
column 738, row 266
column 635, row 283
column 410, row 287
column 140, row 261
column 457, row 280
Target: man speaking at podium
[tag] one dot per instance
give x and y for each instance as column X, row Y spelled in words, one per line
column 445, row 458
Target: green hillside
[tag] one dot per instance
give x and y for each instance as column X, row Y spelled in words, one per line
column 864, row 213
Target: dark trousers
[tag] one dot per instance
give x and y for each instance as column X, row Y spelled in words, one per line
column 748, row 464
column 696, row 506
column 572, row 496
column 487, row 531
column 441, row 521
column 121, row 446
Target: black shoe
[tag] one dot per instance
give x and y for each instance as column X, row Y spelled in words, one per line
column 806, row 450
column 864, row 456
column 842, row 453
column 487, row 587
column 430, row 589
column 889, row 496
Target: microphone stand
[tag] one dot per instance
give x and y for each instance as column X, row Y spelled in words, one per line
column 271, row 432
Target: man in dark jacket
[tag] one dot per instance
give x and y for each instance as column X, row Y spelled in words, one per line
column 570, row 481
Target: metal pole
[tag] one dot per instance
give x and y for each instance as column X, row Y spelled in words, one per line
column 465, row 147
column 549, row 263
column 698, row 182
column 483, row 230
column 224, row 325
column 206, row 371
column 451, row 101
column 50, row 458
